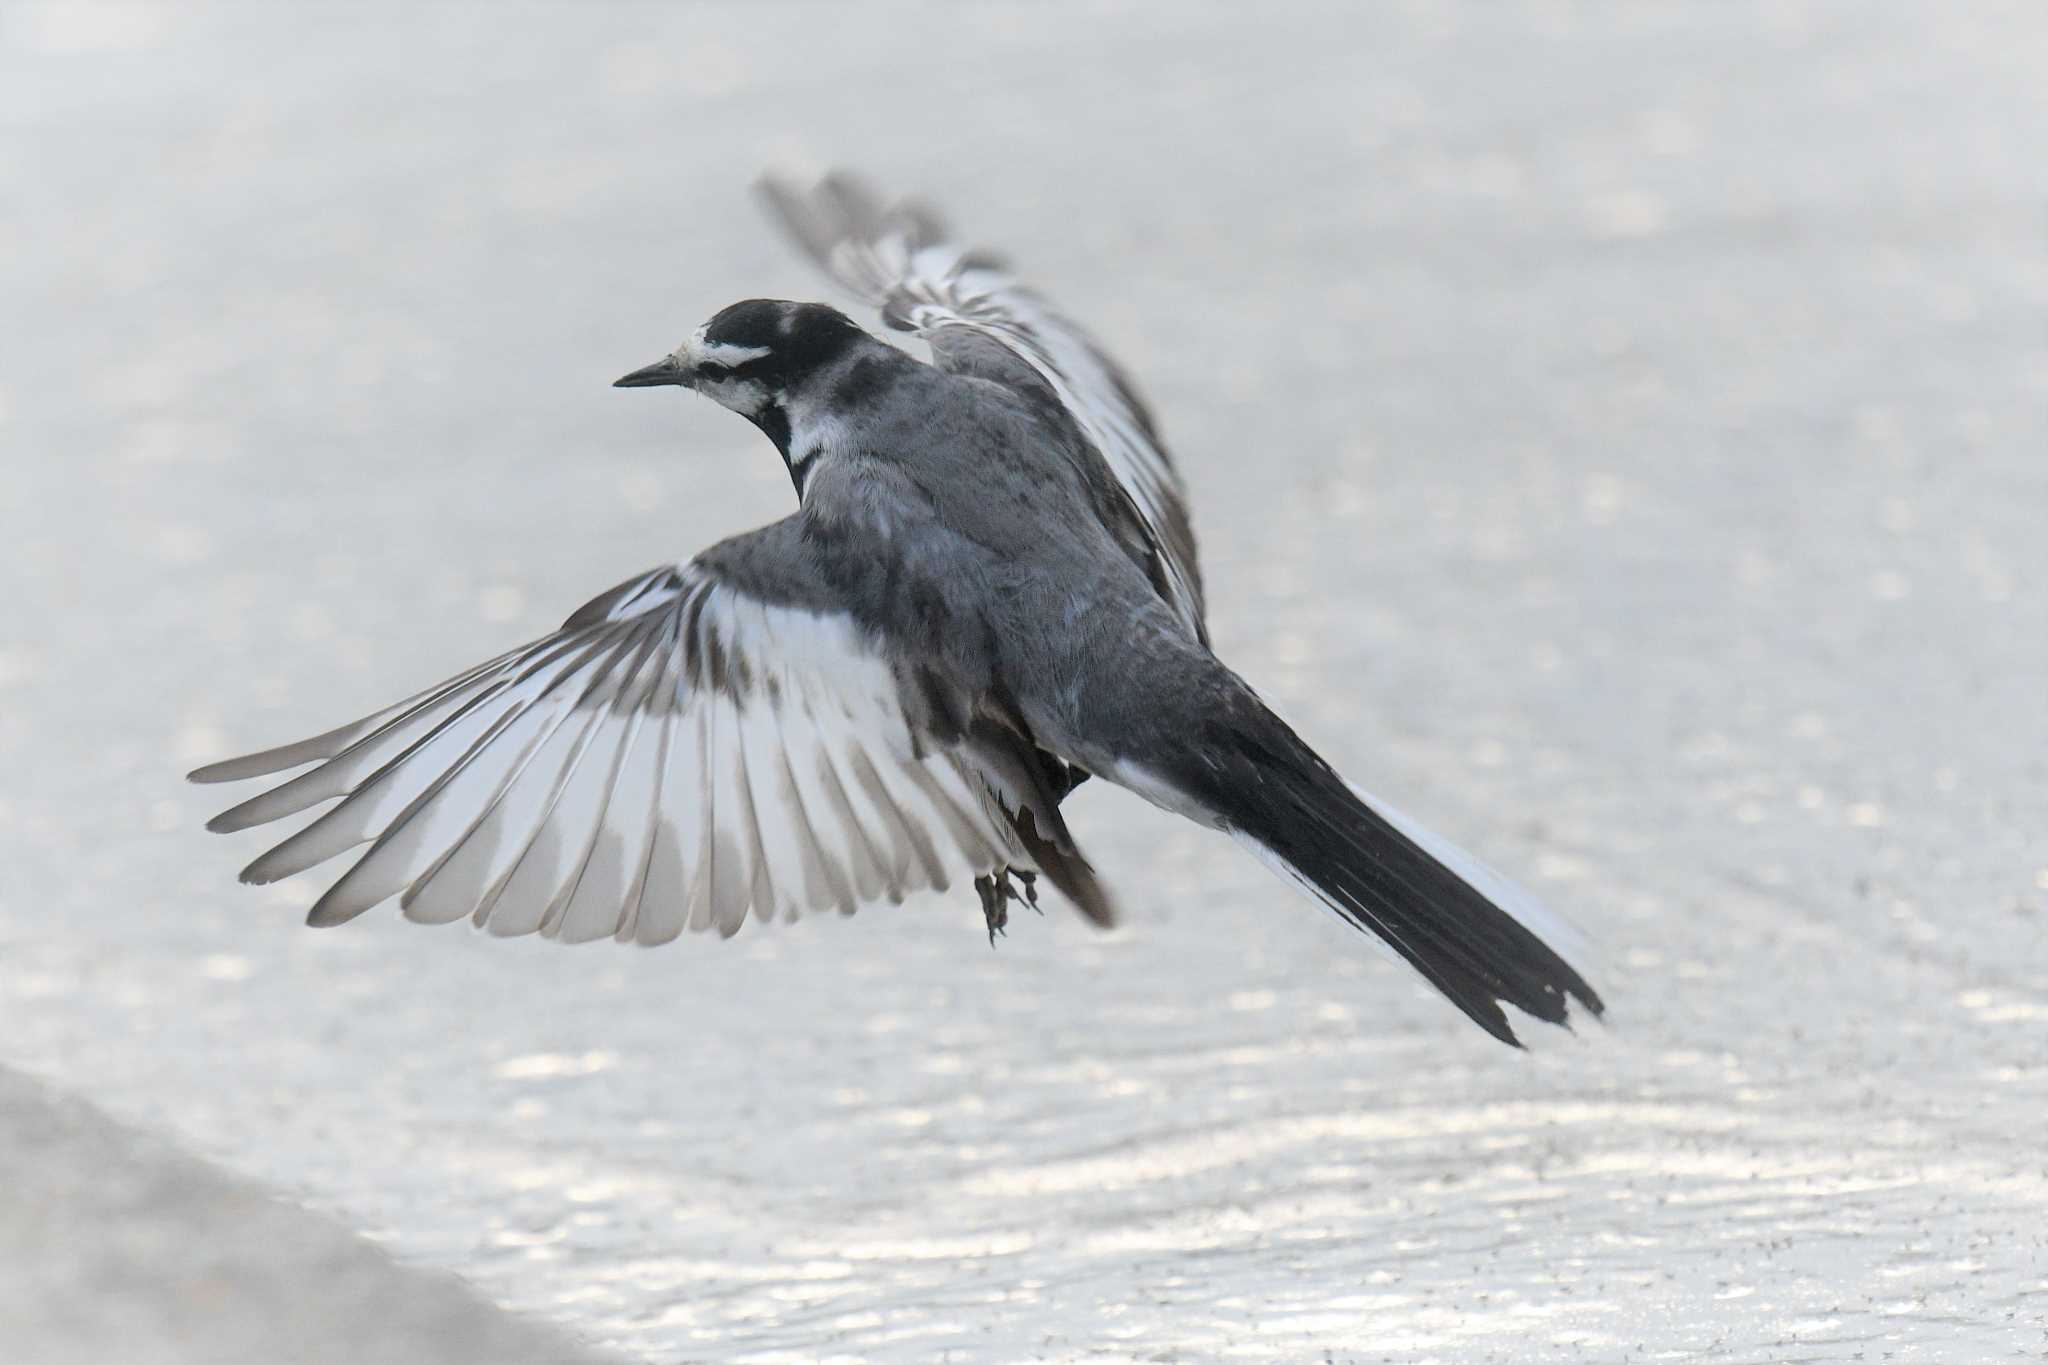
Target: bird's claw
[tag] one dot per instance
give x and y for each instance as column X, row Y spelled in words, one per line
column 994, row 906
column 997, row 891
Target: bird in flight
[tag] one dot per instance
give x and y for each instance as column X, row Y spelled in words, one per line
column 988, row 593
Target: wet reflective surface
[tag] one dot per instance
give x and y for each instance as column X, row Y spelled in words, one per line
column 1616, row 440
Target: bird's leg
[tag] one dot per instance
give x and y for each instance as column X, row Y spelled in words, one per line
column 1030, row 880
column 995, row 893
column 998, row 891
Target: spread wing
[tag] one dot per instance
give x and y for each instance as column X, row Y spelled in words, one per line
column 683, row 753
column 901, row 260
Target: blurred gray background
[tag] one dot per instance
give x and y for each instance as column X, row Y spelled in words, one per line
column 1616, row 434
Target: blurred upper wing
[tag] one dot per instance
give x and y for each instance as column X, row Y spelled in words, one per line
column 900, row 260
column 682, row 753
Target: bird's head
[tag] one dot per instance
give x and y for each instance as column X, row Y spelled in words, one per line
column 760, row 357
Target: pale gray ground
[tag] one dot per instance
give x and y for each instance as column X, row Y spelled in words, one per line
column 1616, row 435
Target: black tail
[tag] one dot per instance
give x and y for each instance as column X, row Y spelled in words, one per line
column 1272, row 789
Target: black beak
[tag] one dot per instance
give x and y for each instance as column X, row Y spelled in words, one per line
column 662, row 371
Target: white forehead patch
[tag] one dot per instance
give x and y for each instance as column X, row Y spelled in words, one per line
column 723, row 353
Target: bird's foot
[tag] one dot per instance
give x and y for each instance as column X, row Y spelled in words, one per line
column 1030, row 880
column 997, row 891
column 994, row 904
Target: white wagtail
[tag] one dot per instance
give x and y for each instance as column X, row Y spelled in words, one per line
column 987, row 592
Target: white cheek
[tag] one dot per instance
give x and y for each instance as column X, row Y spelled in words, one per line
column 744, row 396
